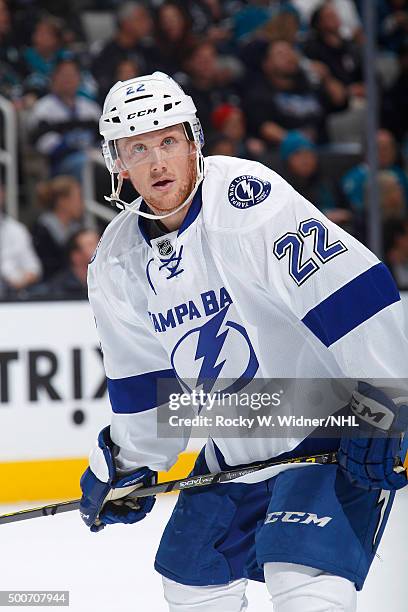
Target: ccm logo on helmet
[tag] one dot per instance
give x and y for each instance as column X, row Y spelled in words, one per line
column 146, row 111
column 295, row 517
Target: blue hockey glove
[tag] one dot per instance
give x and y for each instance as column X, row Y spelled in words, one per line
column 104, row 498
column 368, row 458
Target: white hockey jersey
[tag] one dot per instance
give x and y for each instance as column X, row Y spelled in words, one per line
column 255, row 283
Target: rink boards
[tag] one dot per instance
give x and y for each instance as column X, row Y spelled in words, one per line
column 53, row 400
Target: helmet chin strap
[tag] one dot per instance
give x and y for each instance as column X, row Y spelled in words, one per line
column 134, row 206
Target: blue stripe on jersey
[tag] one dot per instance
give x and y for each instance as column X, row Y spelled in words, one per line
column 139, row 393
column 352, row 304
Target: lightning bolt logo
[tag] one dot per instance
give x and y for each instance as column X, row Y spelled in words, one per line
column 248, row 189
column 201, row 348
column 209, row 346
column 382, row 505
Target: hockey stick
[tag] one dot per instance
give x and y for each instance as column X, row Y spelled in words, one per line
column 167, row 487
column 190, row 482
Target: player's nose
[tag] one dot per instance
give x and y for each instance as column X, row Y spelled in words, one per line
column 157, row 160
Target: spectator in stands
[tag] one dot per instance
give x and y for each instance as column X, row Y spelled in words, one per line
column 133, row 40
column 393, row 24
column 395, row 100
column 229, row 122
column 72, row 281
column 217, row 144
column 127, row 69
column 301, row 170
column 64, row 124
column 173, row 35
column 212, row 18
column 253, row 15
column 329, row 48
column 42, row 57
column 353, row 183
column 10, row 77
column 209, row 81
column 392, row 198
column 350, row 28
column 62, row 200
column 283, row 24
column 396, row 250
column 26, row 13
column 19, row 264
column 285, row 98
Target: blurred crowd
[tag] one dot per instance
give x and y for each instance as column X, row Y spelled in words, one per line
column 276, row 81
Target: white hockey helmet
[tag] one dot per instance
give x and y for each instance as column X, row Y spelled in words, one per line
column 145, row 104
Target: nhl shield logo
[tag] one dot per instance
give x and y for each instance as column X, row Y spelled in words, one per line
column 246, row 191
column 165, row 247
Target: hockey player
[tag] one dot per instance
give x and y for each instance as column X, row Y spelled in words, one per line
column 220, row 271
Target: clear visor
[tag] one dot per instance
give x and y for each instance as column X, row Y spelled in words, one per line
column 137, row 150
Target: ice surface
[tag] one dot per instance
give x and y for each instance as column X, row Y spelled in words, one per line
column 112, row 571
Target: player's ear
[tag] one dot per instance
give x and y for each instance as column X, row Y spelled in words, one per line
column 124, row 174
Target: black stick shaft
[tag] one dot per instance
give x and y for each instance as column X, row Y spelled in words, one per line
column 190, row 482
column 22, row 515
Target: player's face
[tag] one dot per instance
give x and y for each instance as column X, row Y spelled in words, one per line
column 161, row 166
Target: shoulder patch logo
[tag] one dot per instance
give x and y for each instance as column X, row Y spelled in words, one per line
column 246, row 191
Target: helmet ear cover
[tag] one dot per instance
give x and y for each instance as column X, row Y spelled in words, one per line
column 112, row 150
column 110, row 155
column 188, row 131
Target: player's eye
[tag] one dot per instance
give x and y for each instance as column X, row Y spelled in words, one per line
column 169, row 140
column 139, row 148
